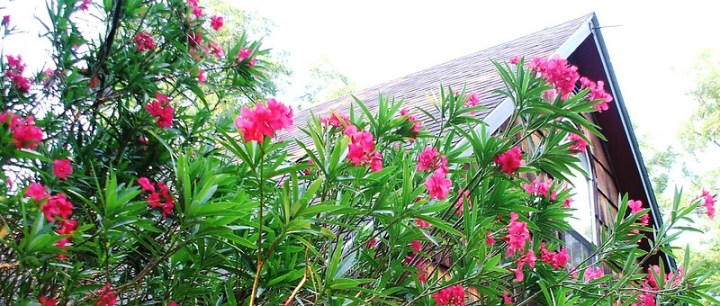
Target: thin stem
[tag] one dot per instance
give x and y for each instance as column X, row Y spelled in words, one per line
column 260, row 260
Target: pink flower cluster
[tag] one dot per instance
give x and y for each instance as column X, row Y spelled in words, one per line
column 518, row 235
column 472, row 100
column 336, row 120
column 592, row 274
column 578, row 144
column 24, row 132
column 529, row 258
column 509, row 161
column 143, row 42
column 636, row 207
column 263, row 120
column 361, row 149
column 160, row 198
column 557, row 259
column 161, row 109
column 416, row 123
column 709, row 203
column 542, row 189
column 216, row 22
column 14, row 73
column 56, row 208
column 196, row 9
column 450, row 296
column 558, row 72
column 108, row 297
column 244, row 54
column 437, row 184
column 650, row 284
column 597, row 92
column 45, row 301
column 62, row 168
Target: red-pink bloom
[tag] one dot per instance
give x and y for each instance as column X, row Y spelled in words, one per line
column 417, row 124
column 450, row 296
column 144, row 182
column 463, row 195
column 25, row 134
column 509, row 160
column 636, row 207
column 107, row 296
column 216, row 22
column 202, row 76
column 541, row 188
column 372, row 243
column 518, row 271
column 161, row 109
column 556, row 260
column 217, row 50
column 578, row 143
column 143, row 41
column 67, row 227
column 709, row 203
column 518, row 235
column 44, row 301
column 36, row 191
column 651, row 277
column 263, row 120
column 196, row 10
column 57, row 206
column 647, row 299
column 427, row 159
column 507, row 299
column 597, row 92
column 6, row 20
column 558, row 72
column 472, row 100
column 336, row 120
column 489, row 240
column 15, row 62
column 251, row 62
column 593, row 274
column 438, row 185
column 173, row 303
column 244, row 54
column 416, row 245
column 62, row 168
column 376, row 162
column 422, row 223
column 515, row 59
column 567, row 202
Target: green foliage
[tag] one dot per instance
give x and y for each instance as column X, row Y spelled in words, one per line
column 195, row 214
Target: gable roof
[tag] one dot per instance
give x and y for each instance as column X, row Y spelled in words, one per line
column 474, row 71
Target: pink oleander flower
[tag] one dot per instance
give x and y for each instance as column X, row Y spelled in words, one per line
column 463, row 195
column 507, row 299
column 336, row 120
column 541, row 188
column 244, row 54
column 430, row 160
column 36, row 191
column 578, row 143
column 202, row 76
column 6, row 20
column 62, row 168
column 263, row 120
column 251, row 62
column 160, row 198
column 646, row 299
column 217, row 50
column 16, row 63
column 636, row 207
column 558, row 72
column 597, row 92
column 555, row 259
column 518, row 235
column 567, row 202
column 417, row 124
column 44, row 301
column 472, row 100
column 24, row 132
column 515, row 59
column 489, row 240
column 518, row 271
column 450, row 296
column 143, row 42
column 146, row 185
column 67, row 227
column 438, row 185
column 509, row 160
column 161, row 109
column 422, row 223
column 651, row 277
column 57, row 206
column 107, row 296
column 709, row 203
column 416, row 245
column 376, row 162
column 173, row 303
column 593, row 274
column 216, row 22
